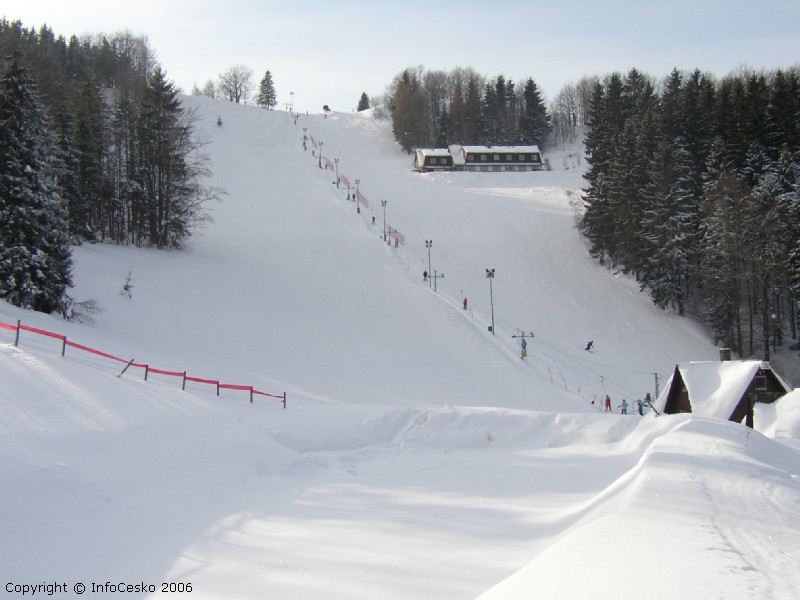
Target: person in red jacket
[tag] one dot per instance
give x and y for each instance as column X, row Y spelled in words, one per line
column 465, row 303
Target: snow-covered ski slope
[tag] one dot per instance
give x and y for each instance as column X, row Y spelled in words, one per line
column 419, row 456
column 295, row 290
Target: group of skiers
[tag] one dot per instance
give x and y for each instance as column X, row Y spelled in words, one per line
column 623, row 407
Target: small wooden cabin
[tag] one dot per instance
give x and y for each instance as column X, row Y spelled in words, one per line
column 433, row 159
column 727, row 389
column 502, row 158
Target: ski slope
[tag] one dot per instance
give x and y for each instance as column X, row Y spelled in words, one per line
column 418, row 456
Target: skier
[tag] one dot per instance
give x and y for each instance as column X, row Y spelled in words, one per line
column 608, row 404
column 424, row 276
column 589, row 345
column 373, row 219
column 524, row 348
column 624, row 407
column 465, row 303
column 640, row 408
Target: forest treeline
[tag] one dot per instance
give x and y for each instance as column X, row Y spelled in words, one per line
column 433, row 108
column 692, row 187
column 94, row 145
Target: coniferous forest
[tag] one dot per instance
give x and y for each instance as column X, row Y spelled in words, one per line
column 693, row 189
column 94, row 146
column 439, row 108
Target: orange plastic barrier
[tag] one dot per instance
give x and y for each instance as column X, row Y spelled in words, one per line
column 129, row 363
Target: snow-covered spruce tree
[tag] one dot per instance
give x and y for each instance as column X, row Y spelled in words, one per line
column 602, row 142
column 724, row 253
column 35, row 260
column 674, row 221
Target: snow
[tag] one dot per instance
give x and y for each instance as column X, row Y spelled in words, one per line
column 418, row 456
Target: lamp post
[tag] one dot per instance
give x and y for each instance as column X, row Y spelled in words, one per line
column 320, row 155
column 292, row 95
column 304, row 138
column 355, row 197
column 428, row 244
column 383, row 204
column 490, row 277
column 336, row 162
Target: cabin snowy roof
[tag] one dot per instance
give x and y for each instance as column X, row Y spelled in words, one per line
column 716, row 387
column 433, row 151
column 502, row 149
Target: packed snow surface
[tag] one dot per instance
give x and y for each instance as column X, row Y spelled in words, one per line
column 418, row 455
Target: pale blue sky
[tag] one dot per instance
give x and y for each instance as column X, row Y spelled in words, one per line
column 328, row 52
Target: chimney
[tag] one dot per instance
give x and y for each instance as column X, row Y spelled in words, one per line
column 724, row 354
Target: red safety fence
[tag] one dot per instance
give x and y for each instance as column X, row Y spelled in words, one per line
column 361, row 198
column 399, row 238
column 65, row 343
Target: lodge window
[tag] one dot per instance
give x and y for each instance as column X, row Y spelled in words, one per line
column 522, row 158
column 483, row 158
column 509, row 158
column 761, row 383
column 497, row 158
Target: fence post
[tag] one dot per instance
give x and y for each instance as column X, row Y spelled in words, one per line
column 16, row 339
column 130, row 362
column 183, row 386
column 146, row 371
column 63, row 346
column 251, row 394
column 284, row 400
column 218, row 389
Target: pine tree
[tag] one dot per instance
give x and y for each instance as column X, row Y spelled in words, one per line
column 443, row 135
column 35, row 260
column 723, row 253
column 673, row 221
column 697, row 126
column 783, row 112
column 173, row 198
column 79, row 208
column 267, row 98
column 92, row 210
column 602, row 145
column 363, row 102
column 410, row 112
column 535, row 122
